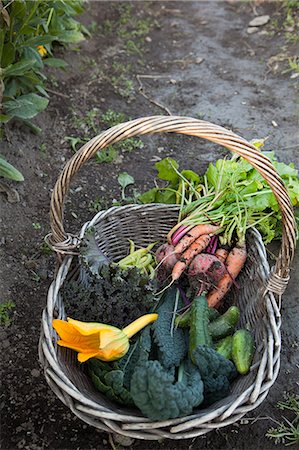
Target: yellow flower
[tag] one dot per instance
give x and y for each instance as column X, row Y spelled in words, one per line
column 98, row 340
column 41, row 50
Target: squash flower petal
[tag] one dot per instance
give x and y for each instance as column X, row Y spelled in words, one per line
column 98, row 340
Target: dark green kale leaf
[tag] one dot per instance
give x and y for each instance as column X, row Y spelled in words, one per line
column 115, row 296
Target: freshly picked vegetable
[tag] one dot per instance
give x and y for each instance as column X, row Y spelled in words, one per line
column 98, row 340
column 109, row 292
column 207, row 248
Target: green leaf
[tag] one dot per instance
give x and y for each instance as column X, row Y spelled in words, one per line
column 74, row 141
column 18, row 9
column 262, row 201
column 285, row 170
column 26, row 106
column 149, row 196
column 12, row 88
column 34, row 128
column 212, row 175
column 191, row 176
column 30, row 53
column 38, row 40
column 4, row 118
column 19, row 68
column 9, row 171
column 70, row 37
column 8, row 54
column 124, row 179
column 166, row 169
column 55, row 62
column 166, row 196
column 107, row 155
column 41, row 90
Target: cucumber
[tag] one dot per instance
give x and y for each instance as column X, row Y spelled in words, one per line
column 242, row 350
column 199, row 333
column 225, row 324
column 183, row 320
column 224, row 347
column 213, row 314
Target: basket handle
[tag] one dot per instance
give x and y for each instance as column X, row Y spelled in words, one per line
column 64, row 243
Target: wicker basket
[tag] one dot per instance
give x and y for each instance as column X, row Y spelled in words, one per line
column 259, row 298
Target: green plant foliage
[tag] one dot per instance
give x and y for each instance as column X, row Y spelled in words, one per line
column 5, row 309
column 287, row 431
column 28, row 31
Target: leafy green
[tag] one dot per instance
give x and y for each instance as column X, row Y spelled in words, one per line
column 160, row 396
column 231, row 193
column 166, row 169
column 109, row 380
column 124, row 180
column 90, row 254
column 26, row 106
column 172, row 345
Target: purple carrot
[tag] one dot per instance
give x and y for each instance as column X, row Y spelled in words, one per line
column 183, row 295
column 179, row 233
column 214, row 246
column 210, row 247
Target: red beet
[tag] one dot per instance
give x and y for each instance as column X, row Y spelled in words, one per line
column 166, row 259
column 205, row 271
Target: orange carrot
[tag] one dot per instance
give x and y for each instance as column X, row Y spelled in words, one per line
column 234, row 264
column 194, row 233
column 221, row 254
column 186, row 258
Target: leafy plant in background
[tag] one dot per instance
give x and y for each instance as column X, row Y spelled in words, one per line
column 92, row 124
column 5, row 313
column 28, row 32
column 287, row 432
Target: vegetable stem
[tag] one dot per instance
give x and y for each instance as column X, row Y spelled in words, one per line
column 139, row 323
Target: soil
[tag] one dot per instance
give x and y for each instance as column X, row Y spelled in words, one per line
column 197, row 60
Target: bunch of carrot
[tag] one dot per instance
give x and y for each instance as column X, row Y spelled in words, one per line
column 194, row 251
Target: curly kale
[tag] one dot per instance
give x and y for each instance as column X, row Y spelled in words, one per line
column 160, row 396
column 171, row 343
column 114, row 296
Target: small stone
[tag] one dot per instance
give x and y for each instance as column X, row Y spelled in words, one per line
column 259, row 21
column 251, row 30
column 199, row 60
column 31, row 264
column 35, row 373
column 294, row 75
column 5, row 344
column 274, row 123
column 125, row 441
column 172, row 81
column 148, row 39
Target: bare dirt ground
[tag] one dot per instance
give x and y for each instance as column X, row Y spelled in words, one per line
column 196, row 59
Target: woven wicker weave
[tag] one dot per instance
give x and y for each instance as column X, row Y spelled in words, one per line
column 259, row 297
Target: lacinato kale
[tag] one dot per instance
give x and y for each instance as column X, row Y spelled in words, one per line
column 160, row 395
column 171, row 343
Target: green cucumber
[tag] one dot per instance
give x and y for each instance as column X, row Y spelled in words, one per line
column 199, row 333
column 224, row 347
column 225, row 324
column 242, row 350
column 183, row 320
column 213, row 314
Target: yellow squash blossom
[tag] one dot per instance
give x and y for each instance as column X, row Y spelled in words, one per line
column 98, row 340
column 41, row 50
